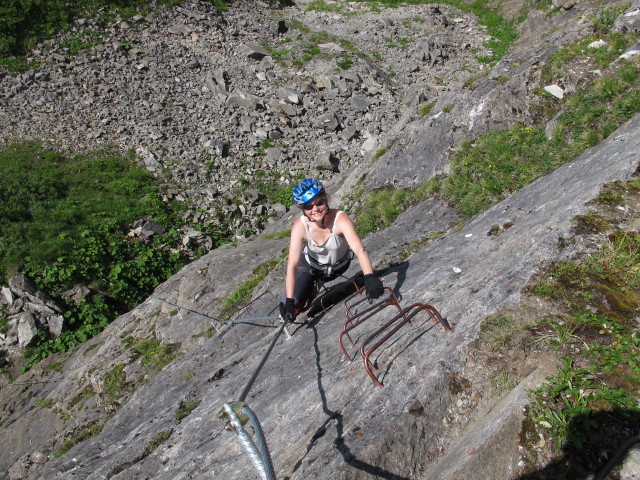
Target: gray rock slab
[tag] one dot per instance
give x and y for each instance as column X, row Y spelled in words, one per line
column 322, row 416
column 631, row 464
column 254, row 50
column 495, row 437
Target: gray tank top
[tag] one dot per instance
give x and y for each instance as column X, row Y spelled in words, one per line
column 334, row 248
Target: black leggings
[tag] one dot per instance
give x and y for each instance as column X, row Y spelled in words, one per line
column 306, row 277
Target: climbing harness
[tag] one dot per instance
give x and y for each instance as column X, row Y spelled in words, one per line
column 238, row 414
column 327, row 270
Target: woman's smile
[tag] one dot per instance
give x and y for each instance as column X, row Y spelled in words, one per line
column 318, row 213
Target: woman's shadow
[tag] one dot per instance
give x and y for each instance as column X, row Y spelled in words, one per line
column 596, row 444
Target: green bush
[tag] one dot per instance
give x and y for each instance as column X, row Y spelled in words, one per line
column 63, row 221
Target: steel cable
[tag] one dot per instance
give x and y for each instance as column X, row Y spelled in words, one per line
column 262, row 443
column 258, row 454
column 253, row 378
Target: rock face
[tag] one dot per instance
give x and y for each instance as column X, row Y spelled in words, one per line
column 103, row 411
column 322, row 415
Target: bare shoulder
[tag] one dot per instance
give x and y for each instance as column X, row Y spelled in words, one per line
column 343, row 223
column 298, row 231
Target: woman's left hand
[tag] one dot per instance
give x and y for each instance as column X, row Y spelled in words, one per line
column 373, row 286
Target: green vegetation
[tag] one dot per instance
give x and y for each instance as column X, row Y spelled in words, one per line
column 502, row 31
column 345, row 63
column 44, row 403
column 381, row 207
column 425, row 109
column 608, row 382
column 418, row 244
column 156, row 441
column 63, row 221
column 115, row 384
column 469, row 82
column 86, row 393
column 275, row 192
column 269, row 185
column 53, row 367
column 502, row 382
column 244, row 291
column 602, row 57
column 592, row 399
column 496, row 329
column 308, row 48
column 278, row 235
column 4, row 323
column 322, row 6
column 590, row 403
column 186, row 407
column 501, row 79
column 607, row 279
column 379, row 152
column 154, row 354
column 607, row 17
column 84, row 433
column 494, row 166
column 448, row 107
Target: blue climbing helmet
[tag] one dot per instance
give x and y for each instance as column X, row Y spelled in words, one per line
column 307, row 190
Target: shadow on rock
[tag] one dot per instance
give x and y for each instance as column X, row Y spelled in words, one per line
column 401, row 270
column 596, row 444
column 336, row 417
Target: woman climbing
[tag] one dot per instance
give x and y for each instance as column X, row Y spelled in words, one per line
column 323, row 242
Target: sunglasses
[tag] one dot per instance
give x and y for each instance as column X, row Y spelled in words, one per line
column 309, row 206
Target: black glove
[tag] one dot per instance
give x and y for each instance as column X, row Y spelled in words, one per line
column 287, row 310
column 373, row 286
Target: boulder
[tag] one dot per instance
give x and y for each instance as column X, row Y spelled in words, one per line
column 253, row 50
column 7, row 296
column 326, row 161
column 629, row 21
column 22, row 285
column 151, row 228
column 55, row 325
column 76, row 294
column 27, row 330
